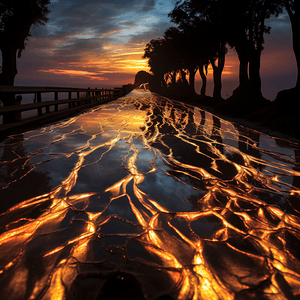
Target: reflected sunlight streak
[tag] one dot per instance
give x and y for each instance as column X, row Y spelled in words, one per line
column 140, row 186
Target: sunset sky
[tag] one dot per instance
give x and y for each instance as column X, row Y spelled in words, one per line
column 96, row 43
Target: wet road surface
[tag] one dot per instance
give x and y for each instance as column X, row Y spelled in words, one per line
column 147, row 198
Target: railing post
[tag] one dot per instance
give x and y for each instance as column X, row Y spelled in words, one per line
column 39, row 99
column 18, row 114
column 70, row 97
column 88, row 95
column 47, row 109
column 15, row 114
column 78, row 102
column 116, row 91
column 56, row 98
column 8, row 99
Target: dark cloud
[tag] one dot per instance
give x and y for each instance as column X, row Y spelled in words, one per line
column 281, row 19
column 71, row 16
column 156, row 31
column 148, row 5
column 280, row 37
column 80, row 46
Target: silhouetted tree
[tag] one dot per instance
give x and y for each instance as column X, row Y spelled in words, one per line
column 245, row 27
column 142, row 77
column 200, row 49
column 174, row 52
column 166, row 58
column 218, row 66
column 16, row 19
column 203, row 73
column 155, row 51
column 293, row 9
column 255, row 13
column 242, row 25
column 181, row 51
column 185, row 55
column 189, row 14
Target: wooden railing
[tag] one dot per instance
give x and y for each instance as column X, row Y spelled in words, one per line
column 51, row 110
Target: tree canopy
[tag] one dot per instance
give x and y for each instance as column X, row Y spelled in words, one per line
column 204, row 30
column 16, row 20
column 241, row 24
column 183, row 51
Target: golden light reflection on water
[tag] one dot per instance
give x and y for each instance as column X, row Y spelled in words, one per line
column 148, row 197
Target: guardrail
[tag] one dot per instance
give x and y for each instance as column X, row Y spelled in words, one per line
column 51, row 110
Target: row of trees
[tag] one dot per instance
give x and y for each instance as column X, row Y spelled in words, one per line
column 182, row 52
column 205, row 29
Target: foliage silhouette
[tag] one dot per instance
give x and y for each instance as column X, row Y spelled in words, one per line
column 16, row 19
column 142, row 77
column 241, row 24
column 182, row 51
column 155, row 51
column 187, row 16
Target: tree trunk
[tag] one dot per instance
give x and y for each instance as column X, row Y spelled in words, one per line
column 173, row 79
column 192, row 73
column 244, row 85
column 295, row 22
column 218, row 69
column 9, row 65
column 243, row 55
column 158, row 82
column 217, row 83
column 203, row 77
column 254, row 74
column 162, row 82
column 183, row 76
column 296, row 46
column 243, row 69
column 9, row 71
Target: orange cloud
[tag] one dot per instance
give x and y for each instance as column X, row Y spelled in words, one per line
column 92, row 75
column 116, row 59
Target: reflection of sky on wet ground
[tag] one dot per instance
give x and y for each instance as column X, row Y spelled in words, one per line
column 164, row 197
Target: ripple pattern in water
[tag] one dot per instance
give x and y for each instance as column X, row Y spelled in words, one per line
column 146, row 198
